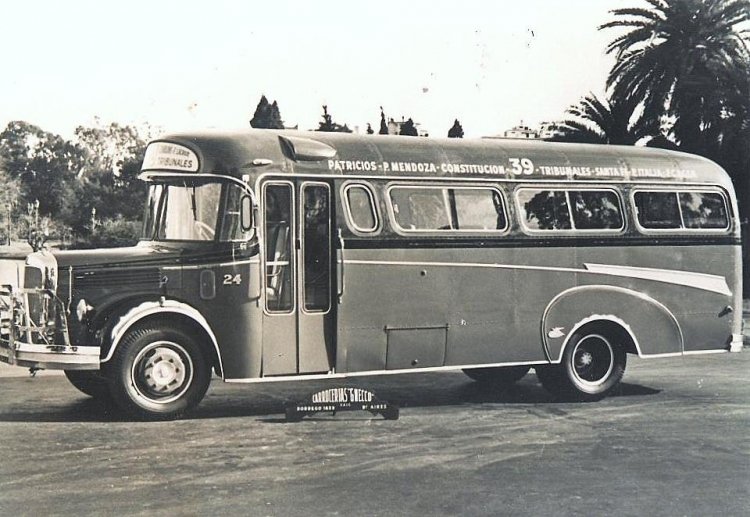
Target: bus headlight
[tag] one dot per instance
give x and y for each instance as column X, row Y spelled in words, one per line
column 33, row 278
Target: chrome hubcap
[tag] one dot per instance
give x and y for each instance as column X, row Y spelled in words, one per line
column 593, row 360
column 162, row 372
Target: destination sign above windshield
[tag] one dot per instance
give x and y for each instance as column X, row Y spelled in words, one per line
column 164, row 156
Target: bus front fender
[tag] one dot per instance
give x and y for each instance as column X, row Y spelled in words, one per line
column 161, row 307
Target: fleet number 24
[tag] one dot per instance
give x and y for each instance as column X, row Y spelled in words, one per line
column 232, row 279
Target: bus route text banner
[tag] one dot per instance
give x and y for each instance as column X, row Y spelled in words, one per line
column 515, row 167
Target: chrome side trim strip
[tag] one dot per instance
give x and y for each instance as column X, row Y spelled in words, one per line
column 282, row 378
column 213, row 264
column 704, row 352
column 464, row 264
column 702, row 281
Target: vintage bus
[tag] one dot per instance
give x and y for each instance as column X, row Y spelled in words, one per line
column 277, row 255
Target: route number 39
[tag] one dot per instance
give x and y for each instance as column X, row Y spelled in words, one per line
column 232, row 279
column 520, row 166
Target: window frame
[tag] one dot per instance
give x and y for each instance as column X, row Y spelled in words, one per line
column 443, row 188
column 301, row 289
column 373, row 205
column 521, row 212
column 677, row 190
column 292, row 245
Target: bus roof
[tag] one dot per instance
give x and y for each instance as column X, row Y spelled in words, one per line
column 256, row 151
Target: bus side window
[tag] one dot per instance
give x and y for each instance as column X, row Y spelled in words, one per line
column 596, row 210
column 231, row 229
column 361, row 208
column 479, row 209
column 544, row 209
column 278, row 239
column 686, row 210
column 420, row 208
column 657, row 210
column 704, row 210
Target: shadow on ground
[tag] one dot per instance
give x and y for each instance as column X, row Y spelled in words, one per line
column 269, row 400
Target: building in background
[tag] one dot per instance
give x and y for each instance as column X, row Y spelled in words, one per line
column 544, row 131
column 394, row 127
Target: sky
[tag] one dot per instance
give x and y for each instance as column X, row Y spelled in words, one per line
column 193, row 65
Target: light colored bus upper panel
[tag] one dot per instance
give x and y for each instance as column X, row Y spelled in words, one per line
column 254, row 152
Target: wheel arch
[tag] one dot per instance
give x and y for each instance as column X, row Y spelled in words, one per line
column 164, row 312
column 631, row 315
column 609, row 325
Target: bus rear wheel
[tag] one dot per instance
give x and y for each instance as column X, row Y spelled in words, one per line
column 497, row 377
column 158, row 373
column 592, row 366
column 89, row 382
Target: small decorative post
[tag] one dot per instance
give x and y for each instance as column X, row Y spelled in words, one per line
column 10, row 214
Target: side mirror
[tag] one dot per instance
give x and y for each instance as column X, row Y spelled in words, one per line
column 246, row 213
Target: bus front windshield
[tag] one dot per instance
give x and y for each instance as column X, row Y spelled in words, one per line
column 193, row 212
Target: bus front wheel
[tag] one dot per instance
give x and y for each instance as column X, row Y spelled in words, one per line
column 592, row 366
column 158, row 373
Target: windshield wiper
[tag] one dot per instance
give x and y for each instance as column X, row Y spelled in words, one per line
column 192, row 203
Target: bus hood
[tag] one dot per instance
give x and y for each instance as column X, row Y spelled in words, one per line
column 143, row 254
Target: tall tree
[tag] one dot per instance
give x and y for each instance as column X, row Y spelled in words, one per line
column 108, row 180
column 45, row 164
column 596, row 121
column 328, row 125
column 408, row 128
column 688, row 61
column 383, row 124
column 456, row 131
column 679, row 58
column 267, row 115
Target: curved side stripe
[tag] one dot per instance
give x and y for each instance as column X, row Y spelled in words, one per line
column 703, row 281
column 713, row 283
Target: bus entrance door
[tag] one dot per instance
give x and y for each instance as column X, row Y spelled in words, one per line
column 297, row 313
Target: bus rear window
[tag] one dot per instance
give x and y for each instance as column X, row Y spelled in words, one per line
column 460, row 209
column 690, row 210
column 704, row 210
column 570, row 209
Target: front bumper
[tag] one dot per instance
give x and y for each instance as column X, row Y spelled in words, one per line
column 51, row 357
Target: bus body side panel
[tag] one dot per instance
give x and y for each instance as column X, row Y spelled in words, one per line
column 705, row 318
column 233, row 315
column 664, row 280
column 491, row 302
column 442, row 307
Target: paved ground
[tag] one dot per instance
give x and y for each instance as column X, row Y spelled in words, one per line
column 674, row 441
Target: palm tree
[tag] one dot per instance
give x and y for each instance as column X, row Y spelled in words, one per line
column 605, row 122
column 679, row 58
